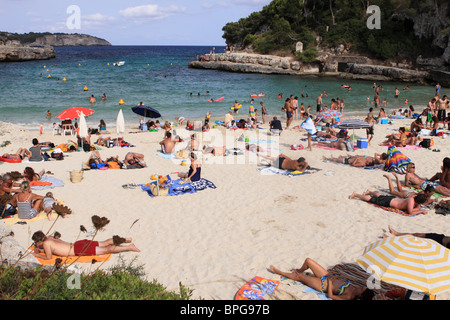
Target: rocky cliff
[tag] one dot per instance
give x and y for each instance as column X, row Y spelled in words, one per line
column 348, row 67
column 14, row 51
column 60, row 40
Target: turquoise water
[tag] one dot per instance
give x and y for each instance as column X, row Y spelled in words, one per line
column 159, row 77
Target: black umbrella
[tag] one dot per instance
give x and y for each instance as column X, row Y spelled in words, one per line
column 146, row 112
column 353, row 124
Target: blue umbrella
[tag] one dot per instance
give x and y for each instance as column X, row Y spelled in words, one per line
column 146, row 112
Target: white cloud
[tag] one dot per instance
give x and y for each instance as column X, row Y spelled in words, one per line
column 95, row 20
column 150, row 12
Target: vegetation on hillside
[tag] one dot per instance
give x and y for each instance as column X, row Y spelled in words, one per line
column 282, row 23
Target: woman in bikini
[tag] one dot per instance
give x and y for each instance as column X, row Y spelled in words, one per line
column 333, row 287
column 30, row 175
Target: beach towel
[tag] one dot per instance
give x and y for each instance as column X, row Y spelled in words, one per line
column 166, row 155
column 401, row 212
column 47, row 182
column 71, row 259
column 15, row 218
column 290, row 173
column 177, row 187
column 396, row 161
column 257, row 289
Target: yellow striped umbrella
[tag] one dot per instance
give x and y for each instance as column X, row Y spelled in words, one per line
column 410, row 262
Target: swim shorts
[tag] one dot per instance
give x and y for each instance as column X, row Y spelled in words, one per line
column 85, row 248
column 428, row 183
column 280, row 162
column 436, row 237
column 289, row 114
column 384, row 201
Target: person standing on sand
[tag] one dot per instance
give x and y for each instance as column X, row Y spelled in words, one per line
column 410, row 205
column 47, row 246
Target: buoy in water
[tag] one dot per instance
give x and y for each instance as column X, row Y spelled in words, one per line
column 49, row 76
column 121, row 101
column 85, row 89
column 108, row 63
column 64, row 79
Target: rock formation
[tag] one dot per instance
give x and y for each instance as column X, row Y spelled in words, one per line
column 348, row 67
column 13, row 51
column 60, row 40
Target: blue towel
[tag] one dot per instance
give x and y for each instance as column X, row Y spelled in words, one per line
column 166, row 155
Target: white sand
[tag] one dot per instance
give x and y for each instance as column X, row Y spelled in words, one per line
column 216, row 239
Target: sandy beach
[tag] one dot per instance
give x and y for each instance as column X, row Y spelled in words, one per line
column 215, row 240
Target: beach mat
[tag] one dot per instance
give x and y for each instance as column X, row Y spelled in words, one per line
column 268, row 170
column 15, row 218
column 177, row 187
column 71, row 259
column 401, row 212
column 257, row 289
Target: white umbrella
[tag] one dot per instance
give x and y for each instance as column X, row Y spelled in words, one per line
column 120, row 123
column 82, row 127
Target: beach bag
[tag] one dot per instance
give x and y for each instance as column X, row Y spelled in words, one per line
column 76, row 176
column 158, row 191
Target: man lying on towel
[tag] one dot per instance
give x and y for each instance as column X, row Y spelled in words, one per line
column 285, row 163
column 410, row 205
column 45, row 247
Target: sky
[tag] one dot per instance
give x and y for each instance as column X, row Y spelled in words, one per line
column 131, row 22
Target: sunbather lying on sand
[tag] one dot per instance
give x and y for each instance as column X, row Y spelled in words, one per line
column 21, row 154
column 47, row 246
column 439, row 238
column 359, row 161
column 334, row 287
column 410, row 205
column 406, row 193
column 340, row 145
column 134, row 159
column 286, row 163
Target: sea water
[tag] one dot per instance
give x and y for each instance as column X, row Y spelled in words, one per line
column 159, row 77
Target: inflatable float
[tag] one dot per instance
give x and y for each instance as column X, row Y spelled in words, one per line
column 237, row 108
column 11, row 160
column 257, row 95
column 220, row 99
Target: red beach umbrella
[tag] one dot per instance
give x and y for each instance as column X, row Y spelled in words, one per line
column 74, row 113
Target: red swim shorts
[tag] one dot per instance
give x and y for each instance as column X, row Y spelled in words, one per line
column 85, row 248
